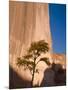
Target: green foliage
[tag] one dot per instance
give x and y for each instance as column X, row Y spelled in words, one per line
column 33, row 52
column 39, row 47
column 29, row 60
column 28, row 56
column 24, row 62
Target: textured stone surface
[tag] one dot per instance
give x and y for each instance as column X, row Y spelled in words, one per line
column 59, row 59
column 28, row 22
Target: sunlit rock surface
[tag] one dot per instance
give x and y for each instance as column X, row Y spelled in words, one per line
column 28, row 22
column 59, row 59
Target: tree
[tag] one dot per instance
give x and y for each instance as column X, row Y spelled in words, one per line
column 29, row 61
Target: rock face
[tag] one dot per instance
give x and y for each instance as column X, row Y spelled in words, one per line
column 28, row 22
column 59, row 59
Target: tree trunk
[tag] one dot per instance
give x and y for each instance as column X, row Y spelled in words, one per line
column 33, row 73
column 32, row 78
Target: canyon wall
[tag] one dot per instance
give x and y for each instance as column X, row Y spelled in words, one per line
column 28, row 22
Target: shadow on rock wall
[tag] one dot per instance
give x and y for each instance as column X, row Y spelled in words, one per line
column 54, row 76
column 15, row 81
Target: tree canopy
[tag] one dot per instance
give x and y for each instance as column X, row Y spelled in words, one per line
column 33, row 52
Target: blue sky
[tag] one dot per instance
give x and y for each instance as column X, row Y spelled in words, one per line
column 57, row 13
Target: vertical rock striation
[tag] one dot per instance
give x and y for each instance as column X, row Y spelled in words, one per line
column 28, row 22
